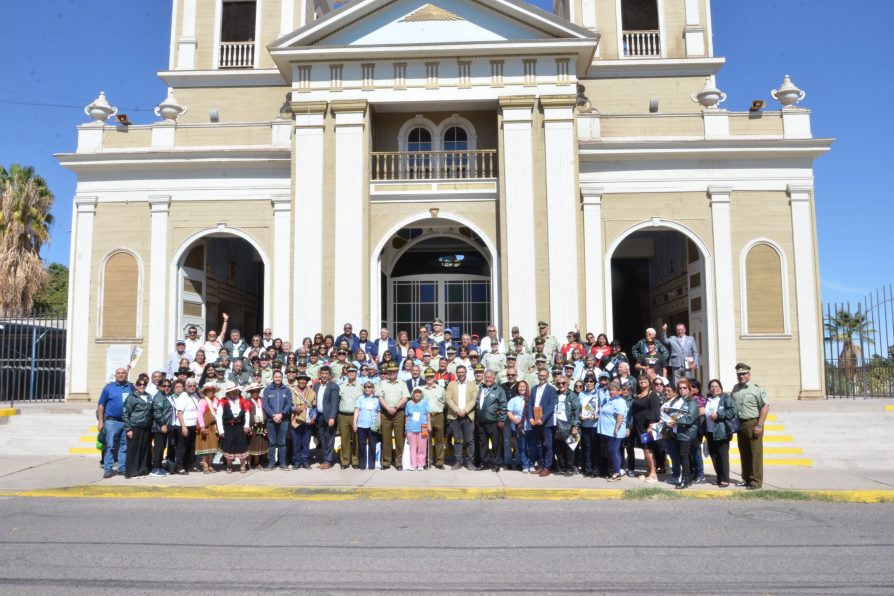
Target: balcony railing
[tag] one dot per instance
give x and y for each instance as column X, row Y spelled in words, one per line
column 434, row 165
column 642, row 44
column 237, row 54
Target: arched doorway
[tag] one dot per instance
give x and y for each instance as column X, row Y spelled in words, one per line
column 432, row 269
column 220, row 273
column 658, row 276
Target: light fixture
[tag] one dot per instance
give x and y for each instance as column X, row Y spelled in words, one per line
column 123, row 120
column 451, row 261
column 653, row 105
column 757, row 105
column 214, row 115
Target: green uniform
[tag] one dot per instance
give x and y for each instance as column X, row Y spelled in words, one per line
column 550, row 345
column 494, row 362
column 313, row 370
column 347, row 402
column 750, row 398
column 393, row 425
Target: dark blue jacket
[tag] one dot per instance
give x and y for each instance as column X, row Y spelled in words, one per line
column 329, row 399
column 547, row 403
column 353, row 341
column 277, row 400
column 374, row 350
column 366, row 346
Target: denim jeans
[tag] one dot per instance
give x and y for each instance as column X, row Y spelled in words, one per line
column 519, row 457
column 699, row 471
column 540, row 445
column 300, row 444
column 276, row 440
column 115, row 436
column 613, row 447
column 671, row 445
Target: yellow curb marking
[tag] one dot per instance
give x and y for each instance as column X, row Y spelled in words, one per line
column 775, row 451
column 344, row 494
column 889, row 408
column 8, row 412
column 88, row 439
column 83, row 451
column 778, row 439
column 791, row 463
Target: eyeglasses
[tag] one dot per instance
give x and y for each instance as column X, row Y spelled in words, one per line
column 658, row 383
column 141, row 384
column 511, row 376
column 561, row 384
column 590, row 381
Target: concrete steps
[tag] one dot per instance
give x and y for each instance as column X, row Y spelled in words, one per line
column 48, row 431
column 780, row 449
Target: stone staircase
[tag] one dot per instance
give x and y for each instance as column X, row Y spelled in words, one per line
column 51, row 429
column 780, row 449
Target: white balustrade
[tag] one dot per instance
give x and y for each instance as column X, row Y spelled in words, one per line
column 433, row 165
column 642, row 44
column 237, row 54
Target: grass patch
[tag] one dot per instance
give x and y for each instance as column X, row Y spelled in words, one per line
column 651, row 494
column 780, row 495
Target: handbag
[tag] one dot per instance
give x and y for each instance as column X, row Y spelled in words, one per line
column 732, row 425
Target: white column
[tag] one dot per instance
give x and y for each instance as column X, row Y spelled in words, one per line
column 593, row 255
column 518, row 177
column 282, row 263
column 308, row 202
column 79, row 286
column 287, row 17
column 562, row 210
column 694, row 32
column 159, row 207
column 806, row 289
column 186, row 45
column 588, row 14
column 350, row 199
column 724, row 364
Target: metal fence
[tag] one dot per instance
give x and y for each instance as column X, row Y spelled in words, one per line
column 32, row 358
column 859, row 347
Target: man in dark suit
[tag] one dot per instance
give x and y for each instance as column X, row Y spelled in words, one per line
column 327, row 413
column 544, row 396
column 415, row 379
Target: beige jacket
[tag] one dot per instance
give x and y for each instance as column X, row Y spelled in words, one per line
column 456, row 401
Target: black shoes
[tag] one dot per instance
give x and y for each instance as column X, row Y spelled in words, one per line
column 456, row 466
column 683, row 485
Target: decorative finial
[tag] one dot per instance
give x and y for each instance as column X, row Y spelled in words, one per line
column 100, row 110
column 788, row 94
column 710, row 96
column 170, row 109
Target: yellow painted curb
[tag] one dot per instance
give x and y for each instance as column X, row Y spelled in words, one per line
column 782, row 462
column 83, row 450
column 345, row 494
column 889, row 408
column 775, row 451
column 778, row 439
column 5, row 412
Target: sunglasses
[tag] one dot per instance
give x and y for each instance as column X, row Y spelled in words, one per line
column 561, row 384
column 659, row 383
column 141, row 384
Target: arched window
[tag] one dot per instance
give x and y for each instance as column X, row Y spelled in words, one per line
column 456, row 139
column 419, row 140
column 764, row 290
column 119, row 309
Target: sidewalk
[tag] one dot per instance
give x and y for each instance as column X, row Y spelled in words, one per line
column 82, row 476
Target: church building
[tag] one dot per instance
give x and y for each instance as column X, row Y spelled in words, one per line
column 388, row 162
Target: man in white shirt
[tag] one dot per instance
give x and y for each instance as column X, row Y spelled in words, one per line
column 173, row 363
column 267, row 340
column 193, row 342
column 489, row 339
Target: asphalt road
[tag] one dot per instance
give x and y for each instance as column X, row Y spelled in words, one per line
column 100, row 546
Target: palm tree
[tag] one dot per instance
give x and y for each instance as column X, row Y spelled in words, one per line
column 843, row 328
column 25, row 201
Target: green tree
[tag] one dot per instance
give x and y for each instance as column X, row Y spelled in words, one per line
column 851, row 331
column 25, row 202
column 53, row 296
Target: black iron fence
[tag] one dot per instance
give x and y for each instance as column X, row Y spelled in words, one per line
column 859, row 347
column 32, row 358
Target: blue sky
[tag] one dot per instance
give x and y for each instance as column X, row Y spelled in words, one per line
column 61, row 53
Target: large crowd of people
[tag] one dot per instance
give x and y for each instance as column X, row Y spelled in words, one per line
column 484, row 403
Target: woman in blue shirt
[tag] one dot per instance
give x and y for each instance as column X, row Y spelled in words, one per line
column 417, row 425
column 611, row 427
column 366, row 419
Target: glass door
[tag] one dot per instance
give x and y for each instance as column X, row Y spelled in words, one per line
column 462, row 302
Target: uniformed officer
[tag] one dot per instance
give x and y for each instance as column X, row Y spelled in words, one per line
column 348, row 393
column 437, row 400
column 532, row 377
column 550, row 343
column 478, row 369
column 393, row 396
column 338, row 366
column 494, row 360
column 437, row 332
column 451, row 360
column 314, row 365
column 511, row 361
column 524, row 361
column 753, row 406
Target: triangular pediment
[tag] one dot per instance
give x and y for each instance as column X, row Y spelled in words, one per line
column 424, row 22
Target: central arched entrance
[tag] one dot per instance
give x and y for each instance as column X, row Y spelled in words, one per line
column 220, row 273
column 659, row 275
column 436, row 269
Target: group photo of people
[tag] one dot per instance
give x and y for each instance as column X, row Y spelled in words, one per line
column 226, row 403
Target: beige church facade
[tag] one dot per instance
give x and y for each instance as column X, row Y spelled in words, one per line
column 393, row 161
